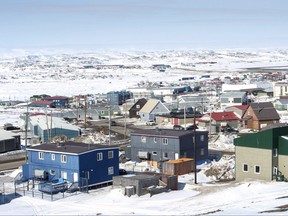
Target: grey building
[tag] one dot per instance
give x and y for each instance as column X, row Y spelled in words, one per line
column 152, row 108
column 9, row 141
column 166, row 144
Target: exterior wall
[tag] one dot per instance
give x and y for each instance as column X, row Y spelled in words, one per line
column 280, row 89
column 10, row 144
column 97, row 171
column 282, row 164
column 175, row 148
column 47, row 164
column 253, row 157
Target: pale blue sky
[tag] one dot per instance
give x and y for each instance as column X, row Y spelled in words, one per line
column 143, row 24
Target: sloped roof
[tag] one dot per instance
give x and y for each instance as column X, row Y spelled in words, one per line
column 220, row 116
column 42, row 102
column 240, row 107
column 163, row 132
column 149, row 106
column 264, row 111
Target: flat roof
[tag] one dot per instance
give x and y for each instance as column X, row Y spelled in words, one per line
column 70, row 147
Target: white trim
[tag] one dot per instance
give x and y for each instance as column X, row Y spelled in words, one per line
column 255, row 169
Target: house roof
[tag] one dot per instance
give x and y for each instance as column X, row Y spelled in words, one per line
column 149, row 105
column 264, row 111
column 239, row 107
column 233, row 94
column 163, row 132
column 56, row 98
column 42, row 102
column 220, row 116
column 70, row 147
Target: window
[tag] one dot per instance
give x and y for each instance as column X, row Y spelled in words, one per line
column 154, row 153
column 245, row 167
column 202, row 138
column 137, row 106
column 52, row 172
column 165, row 154
column 110, row 170
column 41, row 155
column 99, row 156
column 63, row 158
column 110, row 154
column 257, row 169
column 137, row 113
column 143, row 139
column 165, row 141
column 155, row 140
column 53, row 157
column 202, row 151
column 64, row 174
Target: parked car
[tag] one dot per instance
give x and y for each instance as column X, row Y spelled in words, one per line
column 191, row 127
column 178, row 127
column 113, row 123
column 150, row 122
column 122, row 172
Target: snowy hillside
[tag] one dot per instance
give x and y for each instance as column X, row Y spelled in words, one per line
column 25, row 73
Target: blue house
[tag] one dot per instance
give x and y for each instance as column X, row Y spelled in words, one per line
column 59, row 101
column 73, row 162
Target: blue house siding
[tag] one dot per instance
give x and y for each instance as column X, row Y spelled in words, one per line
column 97, row 171
column 47, row 164
column 80, row 162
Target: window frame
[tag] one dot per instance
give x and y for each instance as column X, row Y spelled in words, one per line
column 143, row 139
column 165, row 141
column 63, row 158
column 53, row 157
column 243, row 167
column 99, row 156
column 41, row 155
column 110, row 154
column 111, row 170
column 255, row 169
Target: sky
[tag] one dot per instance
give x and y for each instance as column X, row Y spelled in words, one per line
column 149, row 24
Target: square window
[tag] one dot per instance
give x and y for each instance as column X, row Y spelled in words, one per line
column 110, row 154
column 245, row 167
column 165, row 141
column 143, row 139
column 41, row 155
column 202, row 151
column 99, row 156
column 202, row 138
column 257, row 169
column 63, row 158
column 137, row 106
column 165, row 154
column 110, row 170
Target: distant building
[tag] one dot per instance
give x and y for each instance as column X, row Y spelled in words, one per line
column 9, row 141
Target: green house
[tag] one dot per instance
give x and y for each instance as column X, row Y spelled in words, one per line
column 262, row 155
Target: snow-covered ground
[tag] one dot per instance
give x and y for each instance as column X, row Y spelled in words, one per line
column 24, row 74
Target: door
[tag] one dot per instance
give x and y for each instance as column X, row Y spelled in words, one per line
column 176, row 156
column 64, row 174
column 75, row 177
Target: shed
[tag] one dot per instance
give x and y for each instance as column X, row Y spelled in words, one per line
column 178, row 167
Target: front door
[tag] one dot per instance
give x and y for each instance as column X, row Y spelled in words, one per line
column 75, row 177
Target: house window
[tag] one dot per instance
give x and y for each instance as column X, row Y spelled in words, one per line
column 63, row 158
column 110, row 170
column 143, row 139
column 110, row 154
column 41, row 155
column 99, row 156
column 155, row 140
column 137, row 106
column 257, row 169
column 245, row 167
column 137, row 113
column 64, row 174
column 154, row 153
column 52, row 172
column 102, row 112
column 275, row 152
column 202, row 151
column 53, row 157
column 275, row 170
column 165, row 154
column 165, row 141
column 202, row 138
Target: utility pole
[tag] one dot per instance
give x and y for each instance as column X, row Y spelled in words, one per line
column 26, row 131
column 195, row 165
column 109, row 123
column 125, row 124
column 85, row 111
